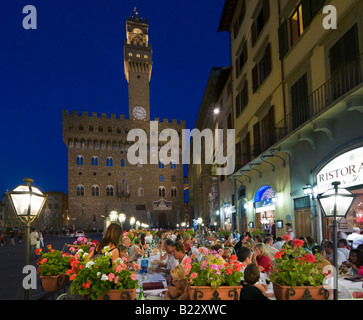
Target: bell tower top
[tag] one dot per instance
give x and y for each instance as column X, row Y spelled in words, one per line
column 138, row 65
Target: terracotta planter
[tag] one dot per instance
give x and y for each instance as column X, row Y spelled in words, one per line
column 127, row 294
column 210, row 293
column 52, row 283
column 300, row 293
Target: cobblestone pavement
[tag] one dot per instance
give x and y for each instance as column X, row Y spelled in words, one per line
column 12, row 259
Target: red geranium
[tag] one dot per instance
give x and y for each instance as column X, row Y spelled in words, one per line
column 309, row 258
column 286, row 237
column 279, row 254
column 297, row 243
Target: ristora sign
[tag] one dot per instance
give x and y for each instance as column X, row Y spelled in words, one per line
column 346, row 168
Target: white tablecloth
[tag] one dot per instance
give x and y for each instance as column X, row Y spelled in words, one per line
column 346, row 288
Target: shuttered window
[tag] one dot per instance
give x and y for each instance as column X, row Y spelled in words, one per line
column 260, row 21
column 299, row 101
column 262, row 69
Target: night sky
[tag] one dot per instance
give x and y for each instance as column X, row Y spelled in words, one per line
column 74, row 61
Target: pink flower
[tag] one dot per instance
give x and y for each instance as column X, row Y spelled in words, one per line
column 136, row 266
column 111, row 276
column 118, row 269
column 193, row 275
column 187, row 260
column 116, row 279
column 133, row 276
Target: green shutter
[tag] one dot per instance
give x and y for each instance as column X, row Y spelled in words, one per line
column 283, row 40
column 316, row 5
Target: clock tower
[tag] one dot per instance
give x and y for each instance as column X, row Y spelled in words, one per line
column 138, row 65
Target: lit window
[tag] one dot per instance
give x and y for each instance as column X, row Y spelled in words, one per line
column 80, row 161
column 172, row 165
column 94, row 161
column 161, row 164
column 173, row 192
column 161, row 192
column 109, row 162
column 80, row 191
column 95, row 191
column 109, row 191
column 296, row 24
column 123, row 163
column 161, row 178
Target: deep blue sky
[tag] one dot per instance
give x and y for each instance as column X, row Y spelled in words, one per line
column 74, row 61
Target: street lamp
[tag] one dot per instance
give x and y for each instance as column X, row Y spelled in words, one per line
column 27, row 203
column 122, row 218
column 113, row 216
column 336, row 202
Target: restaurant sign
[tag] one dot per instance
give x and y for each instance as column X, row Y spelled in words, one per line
column 346, row 168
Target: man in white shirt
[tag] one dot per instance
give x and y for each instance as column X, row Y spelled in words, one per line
column 33, row 237
column 355, row 237
column 271, row 251
column 342, row 247
column 279, row 243
column 329, row 249
column 289, row 231
column 148, row 237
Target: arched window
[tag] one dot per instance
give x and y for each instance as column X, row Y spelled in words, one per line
column 94, row 161
column 172, row 165
column 95, row 191
column 80, row 160
column 140, row 192
column 109, row 162
column 161, row 178
column 161, row 192
column 161, row 164
column 80, row 191
column 109, row 129
column 173, row 178
column 123, row 163
column 173, row 192
column 109, row 191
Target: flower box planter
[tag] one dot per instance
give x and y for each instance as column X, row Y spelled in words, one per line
column 52, row 283
column 300, row 293
column 211, row 293
column 127, row 294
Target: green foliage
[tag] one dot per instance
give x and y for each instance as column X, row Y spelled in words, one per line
column 295, row 266
column 96, row 277
column 53, row 262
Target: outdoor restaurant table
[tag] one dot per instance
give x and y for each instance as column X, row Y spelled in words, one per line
column 346, row 288
column 153, row 277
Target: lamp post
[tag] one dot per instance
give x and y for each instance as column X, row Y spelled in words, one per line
column 199, row 222
column 27, row 203
column 336, row 202
column 132, row 222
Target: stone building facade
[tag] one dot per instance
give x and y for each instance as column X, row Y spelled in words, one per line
column 101, row 176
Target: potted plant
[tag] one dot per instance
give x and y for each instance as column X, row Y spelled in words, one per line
column 297, row 275
column 213, row 278
column 52, row 268
column 98, row 279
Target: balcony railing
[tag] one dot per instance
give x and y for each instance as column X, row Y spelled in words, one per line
column 346, row 79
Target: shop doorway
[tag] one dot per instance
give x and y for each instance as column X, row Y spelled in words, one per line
column 303, row 223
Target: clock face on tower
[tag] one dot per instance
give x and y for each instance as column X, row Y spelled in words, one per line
column 139, row 113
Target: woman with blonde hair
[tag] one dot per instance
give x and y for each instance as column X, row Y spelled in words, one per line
column 178, row 289
column 261, row 258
